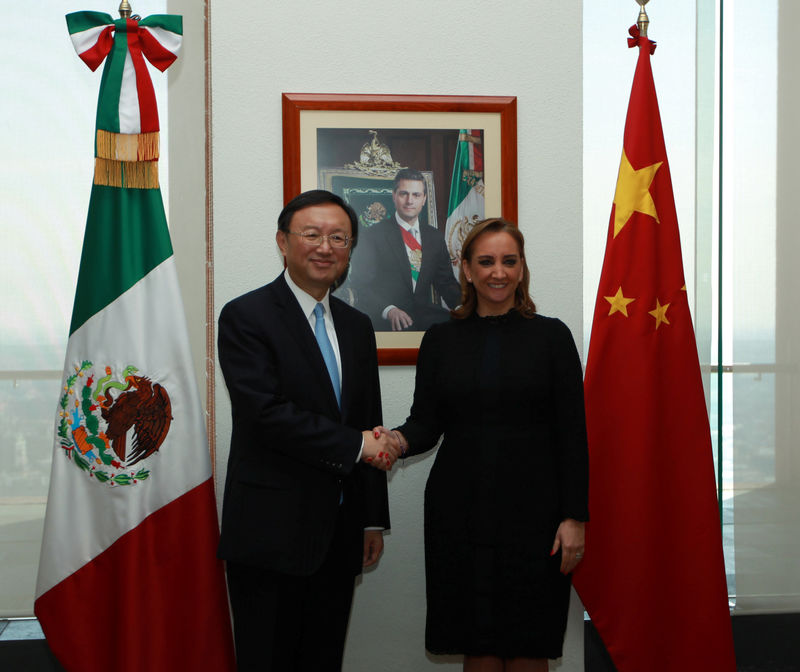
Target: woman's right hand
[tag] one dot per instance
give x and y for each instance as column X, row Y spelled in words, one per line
column 397, row 437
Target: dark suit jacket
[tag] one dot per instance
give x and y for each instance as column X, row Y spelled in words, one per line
column 293, row 452
column 382, row 275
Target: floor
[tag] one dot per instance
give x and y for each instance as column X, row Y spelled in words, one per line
column 23, row 648
column 24, row 628
column 764, row 643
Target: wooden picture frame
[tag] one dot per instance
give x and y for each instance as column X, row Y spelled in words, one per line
column 424, row 117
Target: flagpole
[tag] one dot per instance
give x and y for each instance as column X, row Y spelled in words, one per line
column 125, row 9
column 643, row 21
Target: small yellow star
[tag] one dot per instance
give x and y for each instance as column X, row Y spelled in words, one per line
column 619, row 303
column 633, row 192
column 660, row 313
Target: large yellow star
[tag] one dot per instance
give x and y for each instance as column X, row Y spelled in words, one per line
column 660, row 313
column 633, row 192
column 619, row 303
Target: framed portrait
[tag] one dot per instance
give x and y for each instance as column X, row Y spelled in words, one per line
column 418, row 171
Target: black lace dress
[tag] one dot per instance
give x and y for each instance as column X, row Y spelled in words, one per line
column 507, row 394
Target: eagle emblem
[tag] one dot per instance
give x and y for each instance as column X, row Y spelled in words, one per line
column 375, row 158
column 108, row 425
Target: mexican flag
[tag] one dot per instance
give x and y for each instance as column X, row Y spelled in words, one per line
column 653, row 576
column 128, row 575
column 467, row 203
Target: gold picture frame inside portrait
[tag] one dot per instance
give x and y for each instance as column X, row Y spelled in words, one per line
column 330, row 138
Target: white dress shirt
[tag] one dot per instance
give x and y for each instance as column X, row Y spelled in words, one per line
column 307, row 305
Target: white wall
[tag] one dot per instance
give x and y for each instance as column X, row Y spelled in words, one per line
column 527, row 48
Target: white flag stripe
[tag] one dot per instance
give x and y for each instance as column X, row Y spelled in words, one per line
column 461, row 220
column 86, row 39
column 144, row 327
column 129, row 115
column 169, row 40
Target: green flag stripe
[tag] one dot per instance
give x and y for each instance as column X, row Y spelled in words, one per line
column 126, row 238
column 111, row 83
column 171, row 22
column 79, row 21
column 458, row 187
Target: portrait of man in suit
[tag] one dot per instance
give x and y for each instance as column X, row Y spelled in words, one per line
column 304, row 508
column 400, row 261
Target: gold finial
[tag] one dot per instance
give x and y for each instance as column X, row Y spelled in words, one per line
column 125, row 9
column 642, row 21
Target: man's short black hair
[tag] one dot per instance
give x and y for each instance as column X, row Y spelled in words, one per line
column 317, row 197
column 410, row 174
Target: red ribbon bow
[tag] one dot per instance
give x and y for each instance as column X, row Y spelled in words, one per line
column 140, row 42
column 636, row 37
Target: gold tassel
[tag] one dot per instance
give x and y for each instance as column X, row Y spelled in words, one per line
column 148, row 146
column 128, row 174
column 127, row 146
column 107, row 172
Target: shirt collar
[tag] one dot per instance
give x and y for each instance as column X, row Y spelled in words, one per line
column 306, row 301
column 408, row 227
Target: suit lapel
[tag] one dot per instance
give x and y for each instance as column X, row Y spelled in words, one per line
column 297, row 323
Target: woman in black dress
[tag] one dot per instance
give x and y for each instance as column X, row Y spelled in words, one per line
column 507, row 494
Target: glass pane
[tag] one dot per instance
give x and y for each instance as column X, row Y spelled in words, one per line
column 26, row 440
column 707, row 317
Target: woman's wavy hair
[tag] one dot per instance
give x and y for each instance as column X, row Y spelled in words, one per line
column 469, row 299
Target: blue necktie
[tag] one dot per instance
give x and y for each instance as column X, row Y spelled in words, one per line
column 327, row 350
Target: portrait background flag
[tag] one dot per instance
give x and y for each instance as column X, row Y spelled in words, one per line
column 128, row 575
column 467, row 203
column 653, row 576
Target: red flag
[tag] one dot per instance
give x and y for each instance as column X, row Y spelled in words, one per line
column 653, row 577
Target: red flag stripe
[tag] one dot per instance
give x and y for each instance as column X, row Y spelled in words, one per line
column 134, row 599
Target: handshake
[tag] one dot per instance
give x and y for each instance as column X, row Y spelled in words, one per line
column 382, row 447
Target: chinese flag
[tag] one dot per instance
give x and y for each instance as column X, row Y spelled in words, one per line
column 653, row 576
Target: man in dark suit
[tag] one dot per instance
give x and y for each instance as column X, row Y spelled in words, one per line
column 303, row 511
column 400, row 260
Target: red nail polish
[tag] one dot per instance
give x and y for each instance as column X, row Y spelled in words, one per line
column 377, row 434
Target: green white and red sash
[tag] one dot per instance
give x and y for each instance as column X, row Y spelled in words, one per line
column 131, row 528
column 467, row 203
column 415, row 252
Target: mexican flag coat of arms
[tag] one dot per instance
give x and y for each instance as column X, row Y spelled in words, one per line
column 128, row 575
